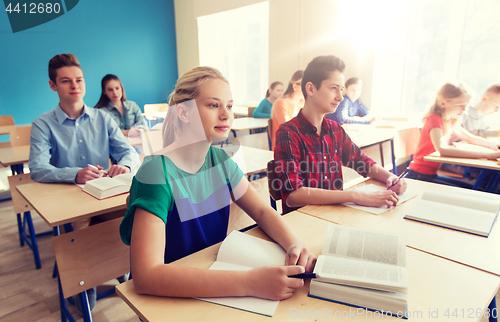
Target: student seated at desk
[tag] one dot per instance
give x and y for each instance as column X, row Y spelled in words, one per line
column 113, row 100
column 351, row 110
column 288, row 106
column 73, row 142
column 440, row 130
column 179, row 203
column 273, row 93
column 311, row 150
column 474, row 117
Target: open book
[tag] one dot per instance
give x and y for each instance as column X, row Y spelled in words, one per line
column 106, row 187
column 460, row 209
column 362, row 268
column 244, row 252
column 378, row 210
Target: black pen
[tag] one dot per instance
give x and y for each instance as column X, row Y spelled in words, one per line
column 401, row 176
column 304, row 275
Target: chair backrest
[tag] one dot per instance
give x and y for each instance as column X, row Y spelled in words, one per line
column 250, row 111
column 269, row 129
column 6, row 120
column 152, row 141
column 91, row 256
column 20, row 135
column 406, row 142
column 273, row 181
column 20, row 204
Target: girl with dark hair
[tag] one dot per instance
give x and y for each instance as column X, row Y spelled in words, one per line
column 288, row 106
column 127, row 114
column 274, row 92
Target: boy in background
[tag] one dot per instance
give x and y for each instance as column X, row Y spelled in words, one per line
column 474, row 117
column 311, row 150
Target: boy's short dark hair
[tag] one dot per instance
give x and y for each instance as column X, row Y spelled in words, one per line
column 59, row 61
column 319, row 69
column 495, row 89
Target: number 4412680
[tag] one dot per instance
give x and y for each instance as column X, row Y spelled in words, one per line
column 34, row 8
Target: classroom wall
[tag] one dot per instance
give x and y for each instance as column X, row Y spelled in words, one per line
column 299, row 30
column 134, row 40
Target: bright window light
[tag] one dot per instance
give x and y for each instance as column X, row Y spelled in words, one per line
column 236, row 42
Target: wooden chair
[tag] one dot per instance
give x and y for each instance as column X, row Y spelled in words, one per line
column 152, row 141
column 87, row 258
column 6, row 120
column 274, row 183
column 250, row 111
column 24, row 220
column 20, row 135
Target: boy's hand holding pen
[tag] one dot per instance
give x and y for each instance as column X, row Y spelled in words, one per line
column 398, row 180
column 102, row 173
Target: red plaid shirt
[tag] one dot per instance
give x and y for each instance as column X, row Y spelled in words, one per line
column 305, row 159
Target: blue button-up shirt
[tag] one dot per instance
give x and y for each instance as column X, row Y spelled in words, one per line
column 347, row 110
column 61, row 146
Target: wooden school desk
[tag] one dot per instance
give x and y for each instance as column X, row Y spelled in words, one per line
column 472, row 250
column 250, row 160
column 365, row 136
column 15, row 157
column 5, row 129
column 248, row 123
column 488, row 167
column 434, row 284
column 61, row 203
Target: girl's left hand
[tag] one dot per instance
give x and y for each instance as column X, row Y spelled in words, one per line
column 299, row 255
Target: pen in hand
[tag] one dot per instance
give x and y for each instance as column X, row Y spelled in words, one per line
column 304, row 275
column 94, row 167
column 401, row 176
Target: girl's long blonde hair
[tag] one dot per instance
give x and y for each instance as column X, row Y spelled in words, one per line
column 186, row 89
column 447, row 91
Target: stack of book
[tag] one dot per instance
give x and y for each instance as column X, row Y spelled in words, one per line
column 362, row 268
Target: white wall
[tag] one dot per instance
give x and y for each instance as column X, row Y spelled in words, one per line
column 299, row 31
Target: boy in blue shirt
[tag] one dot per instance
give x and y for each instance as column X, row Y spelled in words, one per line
column 67, row 140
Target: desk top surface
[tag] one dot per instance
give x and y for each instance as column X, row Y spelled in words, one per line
column 248, row 123
column 433, row 284
column 61, row 203
column 477, row 163
column 14, row 155
column 458, row 246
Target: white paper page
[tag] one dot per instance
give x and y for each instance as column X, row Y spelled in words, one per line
column 465, row 198
column 364, row 244
column 456, row 217
column 378, row 210
column 251, row 304
column 125, row 178
column 246, row 250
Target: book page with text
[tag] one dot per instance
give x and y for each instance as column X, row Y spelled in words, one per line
column 365, row 245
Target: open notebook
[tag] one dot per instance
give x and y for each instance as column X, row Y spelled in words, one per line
column 244, row 252
column 378, row 210
column 466, row 210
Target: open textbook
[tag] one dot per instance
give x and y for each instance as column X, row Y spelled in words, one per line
column 466, row 210
column 378, row 210
column 362, row 268
column 106, row 187
column 244, row 252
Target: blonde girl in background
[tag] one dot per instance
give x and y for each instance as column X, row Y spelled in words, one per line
column 439, row 132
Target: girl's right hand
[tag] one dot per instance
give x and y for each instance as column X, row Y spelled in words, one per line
column 376, row 199
column 273, row 283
